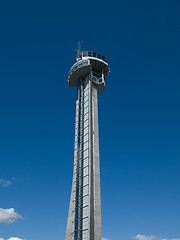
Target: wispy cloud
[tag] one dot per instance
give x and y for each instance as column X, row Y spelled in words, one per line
column 152, row 237
column 144, row 237
column 105, row 239
column 9, row 216
column 14, row 238
column 5, row 183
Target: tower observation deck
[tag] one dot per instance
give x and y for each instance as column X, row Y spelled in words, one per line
column 84, row 218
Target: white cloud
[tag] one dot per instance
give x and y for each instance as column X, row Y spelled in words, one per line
column 9, row 216
column 5, row 183
column 152, row 237
column 14, row 238
column 105, row 239
column 145, row 237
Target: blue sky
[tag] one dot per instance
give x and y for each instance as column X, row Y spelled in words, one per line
column 139, row 117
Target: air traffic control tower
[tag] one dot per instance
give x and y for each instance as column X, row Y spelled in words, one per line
column 84, row 219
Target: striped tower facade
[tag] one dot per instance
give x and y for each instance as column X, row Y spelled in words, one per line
column 84, row 218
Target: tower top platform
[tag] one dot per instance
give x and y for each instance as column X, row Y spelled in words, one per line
column 89, row 62
column 86, row 54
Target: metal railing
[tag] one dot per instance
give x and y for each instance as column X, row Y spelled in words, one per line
column 77, row 65
column 93, row 54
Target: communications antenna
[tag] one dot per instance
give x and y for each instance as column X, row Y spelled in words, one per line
column 79, row 51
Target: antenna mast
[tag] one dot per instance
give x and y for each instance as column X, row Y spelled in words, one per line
column 78, row 51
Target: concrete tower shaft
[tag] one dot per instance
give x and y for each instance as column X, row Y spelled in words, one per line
column 84, row 219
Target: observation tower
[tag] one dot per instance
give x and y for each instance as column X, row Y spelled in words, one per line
column 84, row 218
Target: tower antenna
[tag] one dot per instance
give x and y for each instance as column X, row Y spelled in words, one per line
column 79, row 51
